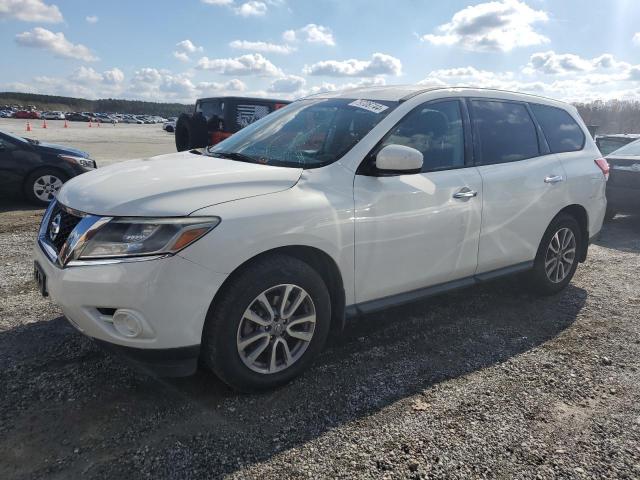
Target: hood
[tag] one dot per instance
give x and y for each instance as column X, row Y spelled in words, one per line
column 172, row 185
column 57, row 149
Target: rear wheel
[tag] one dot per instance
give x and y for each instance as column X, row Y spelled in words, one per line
column 268, row 324
column 557, row 258
column 43, row 185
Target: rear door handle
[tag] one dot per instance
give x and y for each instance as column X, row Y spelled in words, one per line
column 465, row 192
column 553, row 179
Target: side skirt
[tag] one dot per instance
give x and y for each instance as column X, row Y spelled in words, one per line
column 415, row 295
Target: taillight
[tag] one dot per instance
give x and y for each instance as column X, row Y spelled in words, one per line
column 217, row 137
column 604, row 166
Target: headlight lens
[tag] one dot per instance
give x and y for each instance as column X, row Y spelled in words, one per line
column 132, row 237
column 83, row 162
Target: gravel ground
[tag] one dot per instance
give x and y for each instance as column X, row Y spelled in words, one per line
column 487, row 382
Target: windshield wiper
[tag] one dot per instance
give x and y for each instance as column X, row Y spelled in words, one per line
column 235, row 156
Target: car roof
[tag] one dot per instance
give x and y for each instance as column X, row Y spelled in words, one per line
column 401, row 93
column 245, row 99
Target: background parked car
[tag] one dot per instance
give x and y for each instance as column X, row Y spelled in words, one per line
column 27, row 114
column 623, row 187
column 169, row 126
column 38, row 170
column 611, row 142
column 77, row 117
column 52, row 115
column 217, row 118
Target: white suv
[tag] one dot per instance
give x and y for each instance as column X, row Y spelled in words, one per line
column 243, row 255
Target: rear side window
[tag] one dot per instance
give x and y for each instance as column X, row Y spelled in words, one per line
column 562, row 132
column 209, row 108
column 506, row 131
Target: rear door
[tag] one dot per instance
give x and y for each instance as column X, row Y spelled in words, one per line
column 523, row 184
column 623, row 187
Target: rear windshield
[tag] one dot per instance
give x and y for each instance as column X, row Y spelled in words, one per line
column 305, row 134
column 631, row 149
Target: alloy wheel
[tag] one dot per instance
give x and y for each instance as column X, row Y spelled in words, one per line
column 276, row 329
column 561, row 255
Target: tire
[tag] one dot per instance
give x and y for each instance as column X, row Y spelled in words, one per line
column 227, row 325
column 191, row 132
column 551, row 283
column 50, row 179
column 609, row 214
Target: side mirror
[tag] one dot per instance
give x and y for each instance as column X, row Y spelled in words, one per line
column 399, row 158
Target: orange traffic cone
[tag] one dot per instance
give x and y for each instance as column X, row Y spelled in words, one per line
column 44, row 123
column 28, row 126
column 65, row 123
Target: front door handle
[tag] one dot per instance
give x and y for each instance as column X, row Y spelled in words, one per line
column 465, row 192
column 553, row 179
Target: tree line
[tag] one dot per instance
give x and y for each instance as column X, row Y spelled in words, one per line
column 70, row 104
column 613, row 116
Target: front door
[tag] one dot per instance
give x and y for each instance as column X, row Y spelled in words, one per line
column 417, row 230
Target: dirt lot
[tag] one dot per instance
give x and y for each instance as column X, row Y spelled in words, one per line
column 488, row 382
column 106, row 144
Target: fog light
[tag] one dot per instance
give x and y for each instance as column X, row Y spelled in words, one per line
column 127, row 323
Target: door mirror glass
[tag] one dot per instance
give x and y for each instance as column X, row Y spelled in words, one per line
column 399, row 158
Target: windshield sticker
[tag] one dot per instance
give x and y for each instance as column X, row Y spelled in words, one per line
column 369, row 105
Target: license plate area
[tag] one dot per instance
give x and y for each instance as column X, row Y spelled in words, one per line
column 41, row 279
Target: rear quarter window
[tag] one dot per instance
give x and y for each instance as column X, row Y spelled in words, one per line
column 562, row 132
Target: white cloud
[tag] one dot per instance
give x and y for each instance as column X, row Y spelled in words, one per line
column 380, row 64
column 30, row 11
column 91, row 19
column 217, row 2
column 636, row 38
column 216, row 88
column 310, row 33
column 88, row 76
column 184, row 49
column 251, row 64
column 187, row 46
column 497, row 25
column 55, row 43
column 252, row 8
column 287, row 84
column 262, row 47
column 552, row 63
column 183, row 57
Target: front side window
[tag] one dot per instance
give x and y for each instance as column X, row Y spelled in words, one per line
column 305, row 134
column 562, row 132
column 506, row 131
column 434, row 129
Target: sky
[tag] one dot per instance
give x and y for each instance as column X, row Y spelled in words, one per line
column 177, row 51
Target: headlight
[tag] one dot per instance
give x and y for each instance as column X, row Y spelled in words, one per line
column 83, row 162
column 132, row 237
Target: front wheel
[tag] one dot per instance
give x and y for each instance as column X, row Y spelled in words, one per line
column 557, row 258
column 43, row 185
column 267, row 325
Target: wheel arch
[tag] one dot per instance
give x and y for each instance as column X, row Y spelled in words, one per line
column 582, row 217
column 317, row 259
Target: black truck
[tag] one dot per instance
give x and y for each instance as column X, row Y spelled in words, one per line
column 217, row 118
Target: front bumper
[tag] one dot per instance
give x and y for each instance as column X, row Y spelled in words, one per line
column 170, row 296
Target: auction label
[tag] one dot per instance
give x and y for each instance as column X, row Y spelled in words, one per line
column 369, row 105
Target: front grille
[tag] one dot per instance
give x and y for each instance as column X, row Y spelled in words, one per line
column 68, row 222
